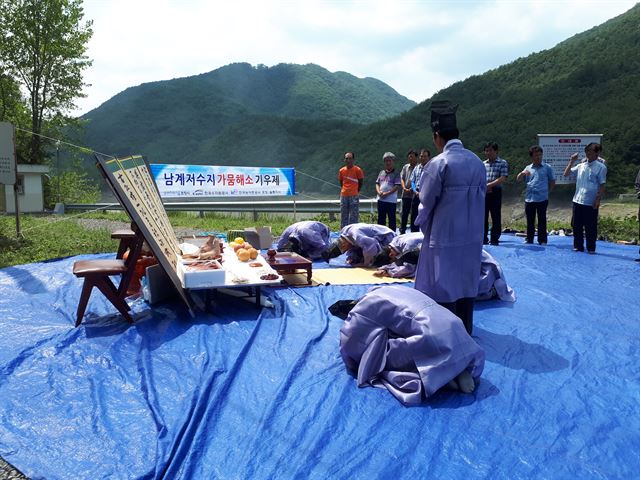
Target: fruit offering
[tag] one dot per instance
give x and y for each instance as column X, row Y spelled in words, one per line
column 244, row 250
column 243, row 255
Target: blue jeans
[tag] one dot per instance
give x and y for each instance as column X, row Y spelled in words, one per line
column 349, row 210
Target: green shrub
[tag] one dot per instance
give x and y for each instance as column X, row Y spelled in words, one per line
column 70, row 187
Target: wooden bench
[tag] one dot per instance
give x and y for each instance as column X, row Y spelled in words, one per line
column 127, row 239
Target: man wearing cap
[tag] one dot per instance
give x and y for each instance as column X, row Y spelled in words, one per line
column 351, row 179
column 452, row 194
column 387, row 185
column 424, row 157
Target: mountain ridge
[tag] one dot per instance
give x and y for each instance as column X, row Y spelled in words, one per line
column 588, row 83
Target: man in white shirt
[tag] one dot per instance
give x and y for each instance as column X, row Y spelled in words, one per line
column 590, row 186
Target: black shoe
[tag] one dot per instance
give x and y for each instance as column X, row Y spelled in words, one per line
column 342, row 308
column 410, row 256
column 495, row 243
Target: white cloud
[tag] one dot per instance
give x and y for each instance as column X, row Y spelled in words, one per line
column 417, row 47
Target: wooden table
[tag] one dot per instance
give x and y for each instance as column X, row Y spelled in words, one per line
column 288, row 262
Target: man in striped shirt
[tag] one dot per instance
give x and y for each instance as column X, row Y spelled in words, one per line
column 497, row 171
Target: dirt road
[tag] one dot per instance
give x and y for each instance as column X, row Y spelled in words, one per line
column 513, row 211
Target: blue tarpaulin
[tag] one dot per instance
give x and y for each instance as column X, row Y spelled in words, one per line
column 241, row 393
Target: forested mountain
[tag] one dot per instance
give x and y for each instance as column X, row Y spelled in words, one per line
column 589, row 83
column 307, row 117
column 187, row 120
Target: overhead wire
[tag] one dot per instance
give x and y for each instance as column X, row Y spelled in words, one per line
column 88, row 150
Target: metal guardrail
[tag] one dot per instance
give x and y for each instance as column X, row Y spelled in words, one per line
column 279, row 206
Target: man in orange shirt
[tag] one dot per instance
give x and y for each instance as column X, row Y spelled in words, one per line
column 351, row 178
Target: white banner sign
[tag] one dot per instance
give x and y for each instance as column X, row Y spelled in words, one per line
column 7, row 154
column 180, row 181
column 559, row 147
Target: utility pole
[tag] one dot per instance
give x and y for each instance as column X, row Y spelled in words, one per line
column 58, row 167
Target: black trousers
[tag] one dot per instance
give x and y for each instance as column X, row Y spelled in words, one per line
column 404, row 216
column 493, row 206
column 409, row 208
column 463, row 308
column 414, row 213
column 387, row 210
column 585, row 224
column 531, row 209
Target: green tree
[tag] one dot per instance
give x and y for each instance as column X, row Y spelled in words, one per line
column 71, row 186
column 43, row 45
column 14, row 109
column 10, row 98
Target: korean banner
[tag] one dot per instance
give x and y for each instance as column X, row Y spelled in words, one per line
column 185, row 181
column 557, row 148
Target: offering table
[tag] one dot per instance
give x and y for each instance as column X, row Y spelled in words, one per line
column 288, row 263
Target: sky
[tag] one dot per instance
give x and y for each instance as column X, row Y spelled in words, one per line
column 416, row 47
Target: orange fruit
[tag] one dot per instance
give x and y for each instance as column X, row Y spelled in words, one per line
column 243, row 255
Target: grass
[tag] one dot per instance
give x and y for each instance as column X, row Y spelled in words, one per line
column 53, row 236
column 43, row 239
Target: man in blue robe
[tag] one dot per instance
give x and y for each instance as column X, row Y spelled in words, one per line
column 399, row 258
column 361, row 242
column 307, row 238
column 452, row 195
column 492, row 281
column 400, row 339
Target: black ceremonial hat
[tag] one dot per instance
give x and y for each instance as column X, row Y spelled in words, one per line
column 443, row 115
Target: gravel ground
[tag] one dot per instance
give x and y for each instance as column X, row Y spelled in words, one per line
column 111, row 225
column 7, row 472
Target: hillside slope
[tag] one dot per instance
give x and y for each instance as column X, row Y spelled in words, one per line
column 174, row 120
column 589, row 83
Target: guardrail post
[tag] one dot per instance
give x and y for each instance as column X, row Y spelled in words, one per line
column 255, row 216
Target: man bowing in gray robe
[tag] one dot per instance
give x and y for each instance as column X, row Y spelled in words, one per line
column 361, row 242
column 451, row 215
column 399, row 258
column 307, row 238
column 398, row 338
